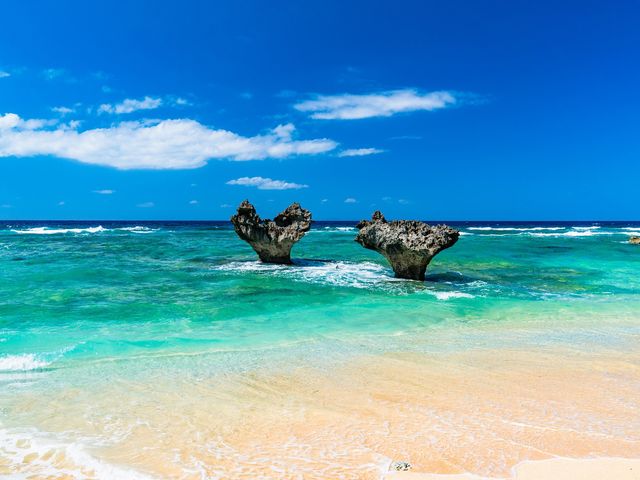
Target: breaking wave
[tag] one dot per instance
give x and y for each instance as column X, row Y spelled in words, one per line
column 365, row 275
column 86, row 230
column 22, row 363
column 513, row 229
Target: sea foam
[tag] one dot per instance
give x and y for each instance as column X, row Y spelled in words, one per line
column 365, row 275
column 25, row 362
column 98, row 229
column 514, row 229
column 53, row 457
column 448, row 295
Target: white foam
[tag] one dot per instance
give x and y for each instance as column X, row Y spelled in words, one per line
column 448, row 295
column 24, row 362
column 339, row 273
column 98, row 229
column 332, row 229
column 54, row 231
column 514, row 229
column 54, row 457
column 572, row 233
column 138, row 229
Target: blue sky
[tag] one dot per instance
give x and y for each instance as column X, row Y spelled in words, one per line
column 432, row 110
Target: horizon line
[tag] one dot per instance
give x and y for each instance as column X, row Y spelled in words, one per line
column 313, row 220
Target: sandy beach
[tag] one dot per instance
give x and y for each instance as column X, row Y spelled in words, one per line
column 555, row 468
column 500, row 413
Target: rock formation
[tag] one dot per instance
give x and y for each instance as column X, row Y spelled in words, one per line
column 634, row 240
column 407, row 244
column 272, row 239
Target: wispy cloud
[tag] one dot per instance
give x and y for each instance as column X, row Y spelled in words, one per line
column 359, row 152
column 380, row 104
column 401, row 201
column 181, row 102
column 262, row 183
column 104, row 192
column 130, row 105
column 4, row 74
column 166, row 144
column 350, row 200
column 193, row 202
column 62, row 110
column 146, row 205
column 266, row 183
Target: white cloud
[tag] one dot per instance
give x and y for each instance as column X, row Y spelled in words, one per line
column 130, row 105
column 324, row 200
column 166, row 144
column 182, row 102
column 350, row 200
column 146, row 205
column 225, row 205
column 359, row 152
column 266, row 183
column 61, row 203
column 62, row 110
column 104, row 192
column 6, row 205
column 4, row 74
column 193, row 202
column 12, row 122
column 381, row 104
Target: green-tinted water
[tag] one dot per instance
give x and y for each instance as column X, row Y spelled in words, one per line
column 120, row 344
column 70, row 293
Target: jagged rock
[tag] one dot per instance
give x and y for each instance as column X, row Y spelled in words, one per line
column 407, row 244
column 634, row 240
column 272, row 239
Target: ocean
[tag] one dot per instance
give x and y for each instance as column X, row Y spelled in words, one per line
column 166, row 350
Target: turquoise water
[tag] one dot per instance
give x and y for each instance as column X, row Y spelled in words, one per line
column 77, row 292
column 121, row 343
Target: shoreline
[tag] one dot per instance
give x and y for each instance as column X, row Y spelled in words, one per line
column 503, row 414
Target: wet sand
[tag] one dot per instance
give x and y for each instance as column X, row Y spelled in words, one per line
column 498, row 413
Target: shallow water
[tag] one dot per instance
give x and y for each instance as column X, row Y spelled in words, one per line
column 166, row 350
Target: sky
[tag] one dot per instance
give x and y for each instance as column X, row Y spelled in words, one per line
column 456, row 110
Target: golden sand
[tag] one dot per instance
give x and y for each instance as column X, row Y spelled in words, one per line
column 503, row 413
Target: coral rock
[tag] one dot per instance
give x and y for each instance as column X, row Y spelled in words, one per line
column 408, row 245
column 272, row 239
